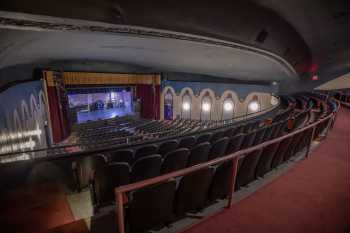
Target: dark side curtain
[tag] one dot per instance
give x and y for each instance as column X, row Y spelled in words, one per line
column 58, row 106
column 57, row 133
column 150, row 100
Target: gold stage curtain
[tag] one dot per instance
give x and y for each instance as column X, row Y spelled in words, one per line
column 82, row 78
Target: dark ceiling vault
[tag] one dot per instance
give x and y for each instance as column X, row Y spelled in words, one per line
column 309, row 34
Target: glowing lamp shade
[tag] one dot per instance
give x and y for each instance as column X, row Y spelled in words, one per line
column 274, row 101
column 206, row 107
column 253, row 106
column 228, row 106
column 186, row 106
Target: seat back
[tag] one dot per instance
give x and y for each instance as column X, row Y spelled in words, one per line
column 264, row 164
column 220, row 185
column 216, row 136
column 145, row 150
column 305, row 140
column 187, row 142
column 167, row 147
column 204, row 138
column 229, row 132
column 268, row 133
column 218, row 148
column 235, row 144
column 122, row 156
column 281, row 151
column 259, row 136
column 246, row 171
column 105, row 180
column 175, row 160
column 192, row 192
column 277, row 130
column 85, row 167
column 146, row 167
column 151, row 207
column 247, row 128
column 292, row 147
column 248, row 140
column 199, row 154
column 239, row 130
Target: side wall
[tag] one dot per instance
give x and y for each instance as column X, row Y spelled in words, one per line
column 22, row 117
column 241, row 95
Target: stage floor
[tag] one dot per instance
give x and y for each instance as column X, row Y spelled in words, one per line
column 103, row 114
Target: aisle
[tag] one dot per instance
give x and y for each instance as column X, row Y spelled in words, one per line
column 314, row 196
column 34, row 209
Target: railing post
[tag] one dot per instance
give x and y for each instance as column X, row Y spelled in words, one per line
column 311, row 140
column 120, row 212
column 328, row 126
column 232, row 181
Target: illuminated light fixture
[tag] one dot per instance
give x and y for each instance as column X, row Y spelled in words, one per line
column 15, row 136
column 274, row 83
column 206, row 107
column 228, row 106
column 186, row 106
column 253, row 106
column 274, row 101
column 314, row 77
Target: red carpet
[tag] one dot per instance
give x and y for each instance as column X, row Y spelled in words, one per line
column 314, row 196
column 74, row 227
column 34, row 209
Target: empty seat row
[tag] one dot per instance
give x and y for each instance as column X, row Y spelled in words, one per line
column 154, row 165
column 161, row 204
column 258, row 163
column 150, row 166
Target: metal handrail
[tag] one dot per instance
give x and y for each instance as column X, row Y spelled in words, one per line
column 121, row 190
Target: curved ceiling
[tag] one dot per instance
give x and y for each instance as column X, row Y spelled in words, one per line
column 32, row 39
column 162, row 54
column 312, row 36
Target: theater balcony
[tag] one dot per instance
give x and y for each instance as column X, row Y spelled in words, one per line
column 132, row 116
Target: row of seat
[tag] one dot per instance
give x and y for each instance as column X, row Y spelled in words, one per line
column 160, row 204
column 168, row 201
column 163, row 203
column 131, row 155
column 148, row 166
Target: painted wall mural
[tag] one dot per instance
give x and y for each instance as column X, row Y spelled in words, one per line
column 22, row 118
column 215, row 101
